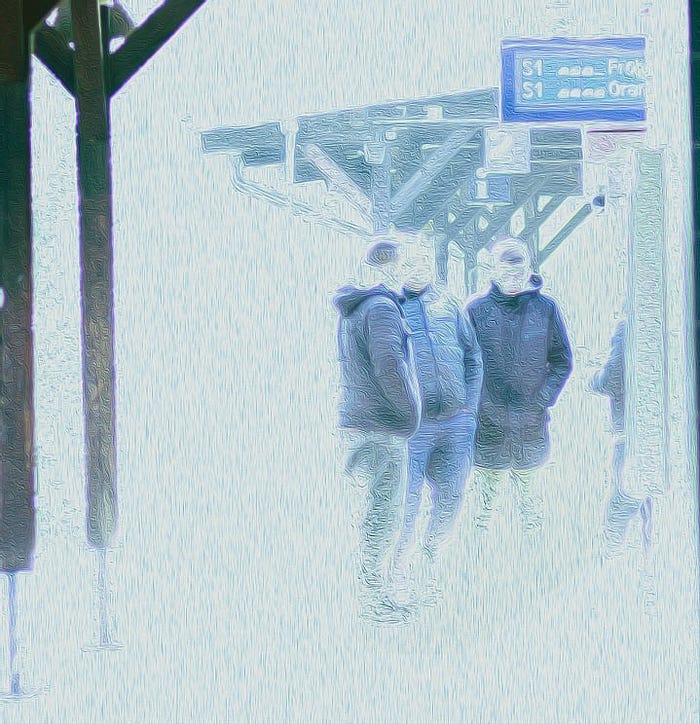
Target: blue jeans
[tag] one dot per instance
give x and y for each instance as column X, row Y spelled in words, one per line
column 378, row 462
column 441, row 453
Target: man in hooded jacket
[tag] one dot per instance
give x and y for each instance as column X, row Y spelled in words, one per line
column 449, row 371
column 379, row 411
column 621, row 506
column 527, row 360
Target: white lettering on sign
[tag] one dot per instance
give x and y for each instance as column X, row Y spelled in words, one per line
column 567, row 93
column 532, row 66
column 625, row 90
column 629, row 68
column 620, row 79
column 532, row 90
column 577, row 71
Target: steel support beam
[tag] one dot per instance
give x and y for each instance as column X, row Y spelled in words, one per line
column 529, row 232
column 96, row 271
column 503, row 217
column 148, row 38
column 51, row 48
column 565, row 232
column 694, row 258
column 442, row 257
column 34, row 11
column 379, row 157
column 424, row 176
column 464, row 219
column 17, row 514
column 539, row 217
column 338, row 179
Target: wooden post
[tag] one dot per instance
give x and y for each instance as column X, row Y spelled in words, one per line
column 96, row 271
column 17, row 520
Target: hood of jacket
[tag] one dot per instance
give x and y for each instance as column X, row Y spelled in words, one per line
column 349, row 298
column 534, row 286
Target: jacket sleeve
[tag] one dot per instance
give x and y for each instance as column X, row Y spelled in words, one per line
column 393, row 371
column 473, row 364
column 610, row 379
column 559, row 359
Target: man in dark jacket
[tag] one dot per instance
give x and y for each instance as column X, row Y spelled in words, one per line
column 449, row 370
column 527, row 360
column 379, row 411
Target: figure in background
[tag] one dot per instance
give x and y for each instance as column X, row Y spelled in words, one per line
column 449, row 369
column 527, row 360
column 379, row 411
column 621, row 507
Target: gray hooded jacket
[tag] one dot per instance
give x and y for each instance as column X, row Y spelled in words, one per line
column 378, row 377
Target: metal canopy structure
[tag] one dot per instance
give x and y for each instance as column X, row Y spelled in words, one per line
column 422, row 165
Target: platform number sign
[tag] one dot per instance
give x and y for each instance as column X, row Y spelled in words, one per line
column 507, row 150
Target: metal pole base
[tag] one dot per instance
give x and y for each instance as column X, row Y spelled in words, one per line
column 16, row 692
column 102, row 646
column 106, row 642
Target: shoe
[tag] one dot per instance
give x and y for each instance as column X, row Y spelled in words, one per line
column 620, row 511
column 532, row 531
column 402, row 584
column 384, row 610
column 613, row 543
column 429, row 592
column 370, row 579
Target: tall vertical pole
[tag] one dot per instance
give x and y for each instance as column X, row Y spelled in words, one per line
column 645, row 387
column 17, row 520
column 96, row 271
column 694, row 255
column 12, row 597
column 379, row 157
column 532, row 238
column 17, row 516
column 470, row 256
column 442, row 259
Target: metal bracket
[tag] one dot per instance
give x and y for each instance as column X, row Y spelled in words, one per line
column 338, row 179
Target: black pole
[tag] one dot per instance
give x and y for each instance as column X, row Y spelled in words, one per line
column 17, row 518
column 96, row 272
column 90, row 24
column 17, row 513
column 102, row 592
column 694, row 18
column 14, row 674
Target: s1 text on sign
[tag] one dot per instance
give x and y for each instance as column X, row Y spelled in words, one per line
column 573, row 80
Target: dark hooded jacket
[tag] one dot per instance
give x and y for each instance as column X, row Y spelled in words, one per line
column 378, row 379
column 527, row 360
column 447, row 355
column 610, row 380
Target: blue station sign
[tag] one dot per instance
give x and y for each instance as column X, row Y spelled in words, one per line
column 573, row 80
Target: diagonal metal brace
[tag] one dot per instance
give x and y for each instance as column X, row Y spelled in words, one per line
column 466, row 217
column 338, row 179
column 423, row 177
column 565, row 232
column 148, row 38
column 35, row 11
column 540, row 217
column 502, row 218
column 51, row 49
